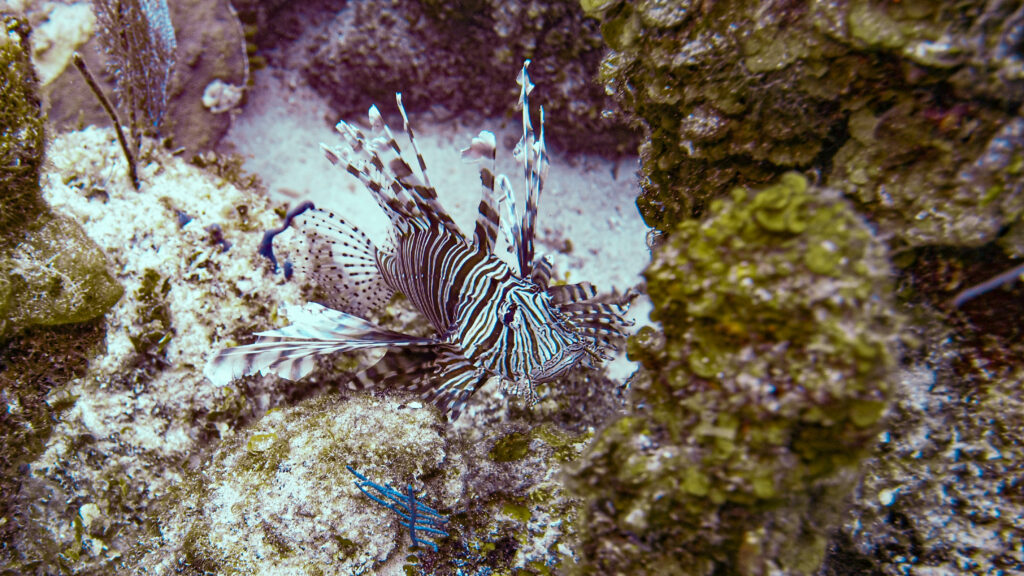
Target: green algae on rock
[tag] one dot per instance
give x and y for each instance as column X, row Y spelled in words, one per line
column 736, row 92
column 756, row 403
column 51, row 273
column 276, row 497
column 54, row 275
column 21, row 129
column 141, row 407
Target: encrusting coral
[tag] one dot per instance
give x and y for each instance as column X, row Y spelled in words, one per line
column 141, row 407
column 754, row 408
column 188, row 258
column 911, row 108
column 50, row 271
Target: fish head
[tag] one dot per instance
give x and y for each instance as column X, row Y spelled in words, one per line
column 541, row 344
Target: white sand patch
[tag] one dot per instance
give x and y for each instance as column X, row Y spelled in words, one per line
column 588, row 201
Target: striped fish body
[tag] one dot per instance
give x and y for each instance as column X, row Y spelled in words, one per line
column 462, row 290
column 490, row 318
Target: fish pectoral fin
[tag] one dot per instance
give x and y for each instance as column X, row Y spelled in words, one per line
column 448, row 382
column 291, row 352
column 342, row 260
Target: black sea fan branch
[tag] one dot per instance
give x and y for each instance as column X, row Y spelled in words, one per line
column 79, row 63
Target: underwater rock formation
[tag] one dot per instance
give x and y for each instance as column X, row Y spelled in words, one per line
column 910, row 108
column 942, row 492
column 122, row 428
column 119, row 429
column 50, row 272
column 756, row 405
column 276, row 497
column 22, row 137
column 456, row 56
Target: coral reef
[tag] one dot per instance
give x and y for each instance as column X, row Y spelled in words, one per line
column 55, row 275
column 22, row 137
column 458, row 56
column 912, row 111
column 123, row 425
column 119, row 429
column 757, row 403
column 907, row 107
column 52, row 273
column 942, row 491
column 769, row 429
column 281, row 486
column 277, row 496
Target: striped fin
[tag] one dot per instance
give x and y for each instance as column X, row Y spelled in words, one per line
column 439, row 374
column 448, row 382
column 532, row 153
column 542, row 270
column 358, row 160
column 485, row 234
column 538, row 174
column 567, row 293
column 390, row 156
column 398, row 368
column 342, row 260
column 598, row 317
column 510, row 225
column 291, row 352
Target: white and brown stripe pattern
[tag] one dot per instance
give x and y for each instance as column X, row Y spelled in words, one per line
column 490, row 319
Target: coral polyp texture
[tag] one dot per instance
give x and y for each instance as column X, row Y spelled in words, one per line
column 908, row 107
column 756, row 404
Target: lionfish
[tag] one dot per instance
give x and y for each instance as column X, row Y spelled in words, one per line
column 491, row 318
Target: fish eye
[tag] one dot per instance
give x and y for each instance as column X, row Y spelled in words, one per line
column 509, row 314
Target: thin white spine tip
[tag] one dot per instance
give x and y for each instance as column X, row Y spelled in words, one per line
column 482, row 146
column 376, row 120
column 401, row 108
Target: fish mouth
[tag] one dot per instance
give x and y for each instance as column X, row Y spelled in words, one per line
column 559, row 363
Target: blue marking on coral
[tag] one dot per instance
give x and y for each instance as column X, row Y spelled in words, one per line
column 217, row 236
column 267, row 244
column 183, row 218
column 417, row 517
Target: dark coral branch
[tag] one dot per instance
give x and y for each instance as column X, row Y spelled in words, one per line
column 91, row 81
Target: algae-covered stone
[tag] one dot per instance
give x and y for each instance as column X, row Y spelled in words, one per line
column 940, row 494
column 463, row 57
column 118, row 429
column 908, row 107
column 277, row 497
column 55, row 275
column 759, row 398
column 52, row 273
column 932, row 173
column 21, row 130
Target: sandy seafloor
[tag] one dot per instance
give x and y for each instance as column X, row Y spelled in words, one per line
column 587, row 221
